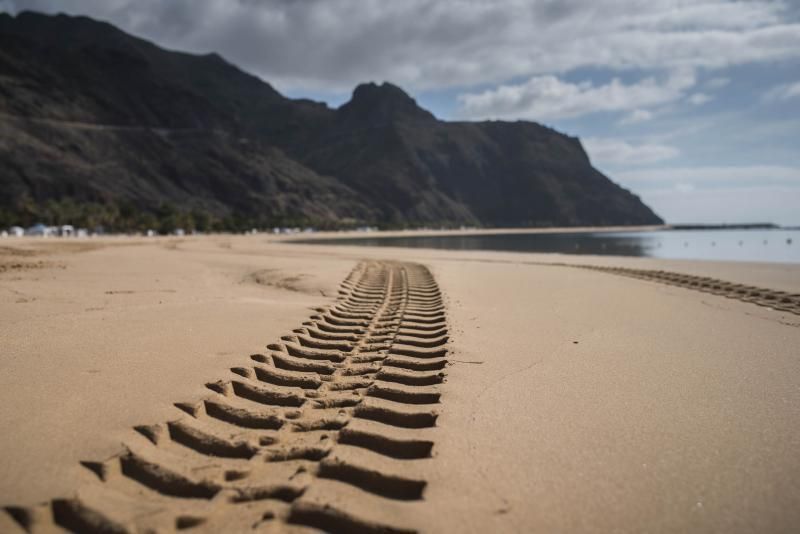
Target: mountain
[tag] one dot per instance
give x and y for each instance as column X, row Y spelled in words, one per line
column 101, row 126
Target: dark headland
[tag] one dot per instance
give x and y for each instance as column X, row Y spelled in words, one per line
column 101, row 128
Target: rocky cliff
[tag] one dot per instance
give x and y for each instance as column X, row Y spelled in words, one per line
column 103, row 126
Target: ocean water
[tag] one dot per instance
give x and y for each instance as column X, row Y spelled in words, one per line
column 781, row 246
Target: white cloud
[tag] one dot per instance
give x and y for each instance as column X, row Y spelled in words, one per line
column 717, row 83
column 783, row 92
column 698, row 99
column 434, row 44
column 636, row 116
column 753, row 193
column 548, row 97
column 729, row 204
column 619, row 152
column 712, row 176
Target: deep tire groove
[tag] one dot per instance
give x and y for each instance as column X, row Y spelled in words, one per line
column 330, row 519
column 360, row 377
column 75, row 517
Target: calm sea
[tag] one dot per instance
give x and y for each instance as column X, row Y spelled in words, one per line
column 731, row 245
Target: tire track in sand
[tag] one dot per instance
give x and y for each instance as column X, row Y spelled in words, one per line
column 328, row 429
column 769, row 298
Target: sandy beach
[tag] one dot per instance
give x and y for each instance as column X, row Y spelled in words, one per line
column 408, row 390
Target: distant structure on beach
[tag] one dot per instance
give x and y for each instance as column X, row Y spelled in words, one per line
column 41, row 230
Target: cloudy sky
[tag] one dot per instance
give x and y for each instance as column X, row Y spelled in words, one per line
column 692, row 104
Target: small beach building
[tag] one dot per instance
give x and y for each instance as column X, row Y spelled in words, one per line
column 41, row 230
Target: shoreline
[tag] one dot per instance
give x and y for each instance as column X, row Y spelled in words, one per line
column 430, row 232
column 723, row 245
column 348, row 234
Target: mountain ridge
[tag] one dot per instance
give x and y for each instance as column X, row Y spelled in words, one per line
column 137, row 127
